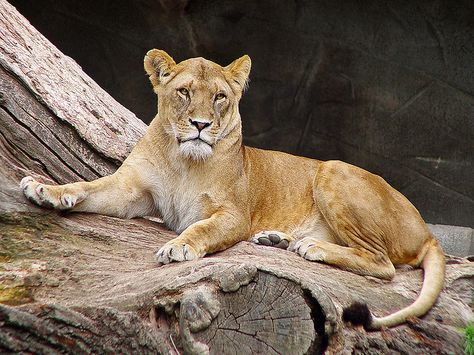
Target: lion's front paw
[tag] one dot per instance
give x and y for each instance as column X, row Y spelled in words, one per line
column 176, row 250
column 44, row 196
column 272, row 238
column 309, row 249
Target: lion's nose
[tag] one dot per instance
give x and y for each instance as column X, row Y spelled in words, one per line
column 200, row 125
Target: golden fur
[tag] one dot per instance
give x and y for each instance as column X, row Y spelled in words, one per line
column 191, row 169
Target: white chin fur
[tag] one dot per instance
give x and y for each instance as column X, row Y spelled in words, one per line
column 195, row 150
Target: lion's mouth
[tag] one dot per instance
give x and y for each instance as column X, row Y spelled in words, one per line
column 196, row 148
column 198, row 140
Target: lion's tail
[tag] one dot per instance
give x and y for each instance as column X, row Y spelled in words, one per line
column 433, row 265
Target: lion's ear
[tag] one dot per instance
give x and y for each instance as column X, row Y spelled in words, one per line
column 239, row 71
column 158, row 65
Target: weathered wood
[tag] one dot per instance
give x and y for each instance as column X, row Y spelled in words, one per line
column 57, row 82
column 83, row 283
column 267, row 299
column 57, row 330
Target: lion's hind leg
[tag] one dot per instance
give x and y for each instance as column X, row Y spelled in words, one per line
column 363, row 212
column 356, row 260
column 273, row 238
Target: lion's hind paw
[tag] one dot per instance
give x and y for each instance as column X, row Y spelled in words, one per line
column 272, row 238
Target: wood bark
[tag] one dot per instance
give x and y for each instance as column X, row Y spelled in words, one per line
column 82, row 283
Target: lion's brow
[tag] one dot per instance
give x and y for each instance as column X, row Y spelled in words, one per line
column 202, row 72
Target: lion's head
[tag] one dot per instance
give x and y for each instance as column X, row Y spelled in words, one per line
column 197, row 100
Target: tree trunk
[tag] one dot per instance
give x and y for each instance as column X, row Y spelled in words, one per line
column 82, row 283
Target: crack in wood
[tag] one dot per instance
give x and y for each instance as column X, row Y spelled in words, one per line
column 45, row 147
column 66, row 146
column 26, row 154
column 62, row 137
column 269, row 310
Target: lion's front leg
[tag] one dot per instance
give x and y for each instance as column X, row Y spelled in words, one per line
column 61, row 197
column 118, row 195
column 219, row 232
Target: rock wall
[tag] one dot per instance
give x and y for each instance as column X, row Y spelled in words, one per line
column 386, row 85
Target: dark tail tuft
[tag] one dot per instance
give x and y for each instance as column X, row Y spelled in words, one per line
column 358, row 314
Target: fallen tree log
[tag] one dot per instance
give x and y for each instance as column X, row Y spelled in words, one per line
column 80, row 283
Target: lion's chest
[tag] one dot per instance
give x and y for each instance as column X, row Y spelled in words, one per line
column 179, row 203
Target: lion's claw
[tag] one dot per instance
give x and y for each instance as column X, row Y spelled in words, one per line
column 175, row 251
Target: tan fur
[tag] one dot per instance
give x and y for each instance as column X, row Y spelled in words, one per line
column 216, row 192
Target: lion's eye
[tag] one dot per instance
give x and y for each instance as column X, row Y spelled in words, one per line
column 183, row 91
column 220, row 97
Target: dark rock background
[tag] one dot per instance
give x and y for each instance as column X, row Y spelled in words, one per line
column 386, row 85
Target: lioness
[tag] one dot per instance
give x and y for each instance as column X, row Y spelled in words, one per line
column 192, row 170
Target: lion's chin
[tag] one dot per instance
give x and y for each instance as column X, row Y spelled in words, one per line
column 195, row 149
